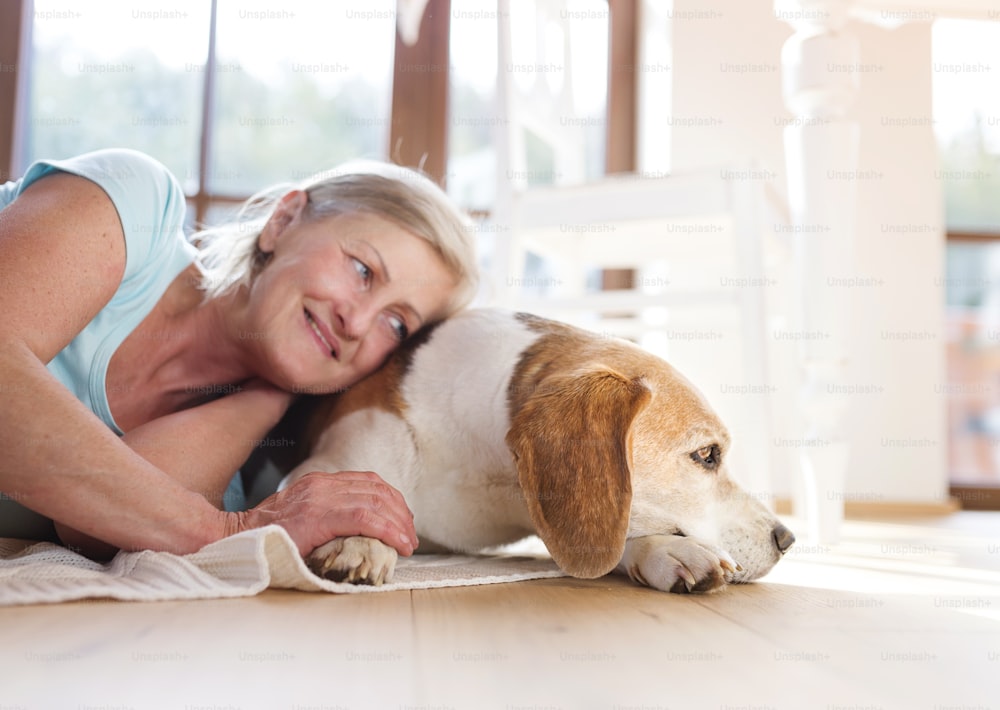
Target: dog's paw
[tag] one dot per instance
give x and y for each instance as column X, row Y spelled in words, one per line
column 673, row 563
column 358, row 560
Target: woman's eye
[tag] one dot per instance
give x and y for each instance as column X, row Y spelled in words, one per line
column 399, row 328
column 362, row 269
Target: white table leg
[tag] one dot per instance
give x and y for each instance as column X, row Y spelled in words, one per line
column 821, row 153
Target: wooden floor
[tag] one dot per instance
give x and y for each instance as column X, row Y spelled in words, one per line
column 899, row 615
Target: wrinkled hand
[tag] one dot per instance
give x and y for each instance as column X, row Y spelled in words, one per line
column 322, row 506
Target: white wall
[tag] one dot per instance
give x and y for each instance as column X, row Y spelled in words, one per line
column 725, row 87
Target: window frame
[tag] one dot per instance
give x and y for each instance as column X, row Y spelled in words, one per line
column 15, row 40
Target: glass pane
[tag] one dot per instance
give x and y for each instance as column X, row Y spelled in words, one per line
column 966, row 74
column 972, row 293
column 118, row 75
column 587, row 27
column 557, row 82
column 301, row 87
column 472, row 103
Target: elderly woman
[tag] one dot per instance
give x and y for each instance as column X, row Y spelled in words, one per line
column 137, row 370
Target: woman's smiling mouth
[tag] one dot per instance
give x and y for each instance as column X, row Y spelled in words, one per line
column 322, row 339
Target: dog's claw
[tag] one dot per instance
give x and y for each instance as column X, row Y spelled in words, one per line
column 728, row 563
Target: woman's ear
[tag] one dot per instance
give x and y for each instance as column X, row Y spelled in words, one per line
column 572, row 445
column 289, row 208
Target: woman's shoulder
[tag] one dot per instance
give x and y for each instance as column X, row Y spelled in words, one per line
column 128, row 176
column 118, row 171
column 150, row 203
column 136, row 183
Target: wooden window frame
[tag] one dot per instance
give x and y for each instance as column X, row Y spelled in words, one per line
column 15, row 43
column 972, row 237
column 418, row 135
column 623, row 58
column 620, row 140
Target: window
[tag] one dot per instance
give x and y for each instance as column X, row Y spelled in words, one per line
column 556, row 81
column 966, row 72
column 116, row 75
column 972, row 290
column 299, row 89
column 474, row 116
column 296, row 88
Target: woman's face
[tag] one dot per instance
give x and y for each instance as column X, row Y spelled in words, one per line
column 337, row 296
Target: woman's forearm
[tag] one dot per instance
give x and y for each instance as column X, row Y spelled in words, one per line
column 63, row 462
column 200, row 448
column 203, row 447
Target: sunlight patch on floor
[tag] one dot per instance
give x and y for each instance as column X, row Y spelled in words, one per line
column 948, row 568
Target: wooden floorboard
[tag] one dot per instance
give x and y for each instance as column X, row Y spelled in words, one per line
column 898, row 615
column 559, row 643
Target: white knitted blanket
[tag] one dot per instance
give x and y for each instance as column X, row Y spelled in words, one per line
column 238, row 566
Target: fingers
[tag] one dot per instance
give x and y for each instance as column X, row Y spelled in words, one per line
column 362, row 483
column 321, row 506
column 367, row 522
column 367, row 506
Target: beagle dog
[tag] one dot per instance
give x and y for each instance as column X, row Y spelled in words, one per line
column 495, row 426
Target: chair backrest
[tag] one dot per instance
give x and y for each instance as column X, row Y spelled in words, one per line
column 542, row 137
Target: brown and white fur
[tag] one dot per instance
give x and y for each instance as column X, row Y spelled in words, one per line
column 496, row 426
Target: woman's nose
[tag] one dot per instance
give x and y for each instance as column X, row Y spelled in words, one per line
column 355, row 319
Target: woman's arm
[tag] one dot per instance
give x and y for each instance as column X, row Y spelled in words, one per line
column 204, row 446
column 200, row 448
column 63, row 462
column 62, row 256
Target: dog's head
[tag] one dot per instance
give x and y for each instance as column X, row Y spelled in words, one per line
column 611, row 442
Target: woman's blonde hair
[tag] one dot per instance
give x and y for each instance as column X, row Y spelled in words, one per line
column 229, row 255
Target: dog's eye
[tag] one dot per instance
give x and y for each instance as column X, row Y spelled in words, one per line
column 707, row 456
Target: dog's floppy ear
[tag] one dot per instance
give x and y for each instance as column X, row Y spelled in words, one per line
column 572, row 445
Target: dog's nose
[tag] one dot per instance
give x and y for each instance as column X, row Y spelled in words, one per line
column 783, row 537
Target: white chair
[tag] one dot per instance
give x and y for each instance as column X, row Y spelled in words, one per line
column 694, row 242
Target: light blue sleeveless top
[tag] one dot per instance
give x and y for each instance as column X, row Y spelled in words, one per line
column 151, row 208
